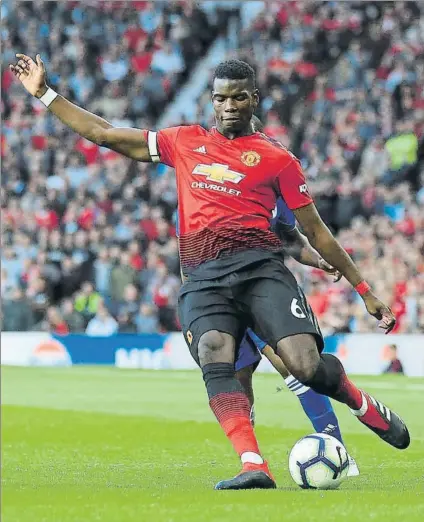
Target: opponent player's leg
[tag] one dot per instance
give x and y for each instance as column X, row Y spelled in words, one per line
column 248, row 358
column 317, row 407
column 210, row 328
column 298, row 340
column 244, row 377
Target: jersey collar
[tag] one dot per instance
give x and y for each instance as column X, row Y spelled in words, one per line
column 220, row 137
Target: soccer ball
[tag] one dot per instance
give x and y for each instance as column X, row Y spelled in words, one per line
column 318, row 461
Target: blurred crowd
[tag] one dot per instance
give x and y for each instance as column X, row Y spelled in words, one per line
column 88, row 239
column 88, row 236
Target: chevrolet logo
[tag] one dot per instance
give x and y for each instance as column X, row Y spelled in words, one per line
column 218, row 173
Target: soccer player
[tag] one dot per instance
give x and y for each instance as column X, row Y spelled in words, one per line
column 228, row 181
column 317, row 407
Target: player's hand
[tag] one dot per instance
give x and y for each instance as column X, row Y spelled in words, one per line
column 380, row 311
column 31, row 74
column 323, row 265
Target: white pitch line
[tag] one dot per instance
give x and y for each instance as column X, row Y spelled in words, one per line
column 401, row 387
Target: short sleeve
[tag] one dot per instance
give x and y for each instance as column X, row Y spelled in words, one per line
column 163, row 144
column 293, row 187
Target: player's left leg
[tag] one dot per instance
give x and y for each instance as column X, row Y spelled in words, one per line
column 326, row 375
column 317, row 407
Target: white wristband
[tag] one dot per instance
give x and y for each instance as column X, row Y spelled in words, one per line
column 48, row 97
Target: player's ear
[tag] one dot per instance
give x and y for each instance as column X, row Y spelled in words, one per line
column 255, row 98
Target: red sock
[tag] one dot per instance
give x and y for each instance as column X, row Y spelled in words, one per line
column 371, row 417
column 330, row 379
column 351, row 394
column 232, row 410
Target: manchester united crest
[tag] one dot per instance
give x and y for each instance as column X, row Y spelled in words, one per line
column 189, row 336
column 250, row 158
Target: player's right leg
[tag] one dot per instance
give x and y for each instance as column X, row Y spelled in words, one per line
column 298, row 340
column 211, row 327
column 317, row 407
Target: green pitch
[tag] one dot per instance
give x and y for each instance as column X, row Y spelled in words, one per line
column 108, row 445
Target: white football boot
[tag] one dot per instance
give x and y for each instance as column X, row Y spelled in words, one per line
column 353, row 468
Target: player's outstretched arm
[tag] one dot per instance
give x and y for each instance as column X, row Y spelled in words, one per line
column 327, row 245
column 297, row 246
column 130, row 142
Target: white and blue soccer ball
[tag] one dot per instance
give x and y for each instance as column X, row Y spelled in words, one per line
column 318, row 461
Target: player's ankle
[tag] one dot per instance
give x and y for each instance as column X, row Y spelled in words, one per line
column 360, row 412
column 250, row 457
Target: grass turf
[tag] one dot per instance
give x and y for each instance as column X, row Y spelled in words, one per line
column 102, row 444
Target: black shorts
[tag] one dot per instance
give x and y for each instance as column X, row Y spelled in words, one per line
column 264, row 296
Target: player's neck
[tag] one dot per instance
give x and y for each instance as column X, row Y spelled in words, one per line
column 248, row 131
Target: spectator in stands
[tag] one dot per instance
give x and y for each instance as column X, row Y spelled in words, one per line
column 102, row 324
column 337, row 80
column 17, row 312
column 402, row 149
column 55, row 322
column 167, row 61
column 73, row 319
column 114, row 65
column 395, row 365
column 130, row 303
column 102, row 269
column 122, row 275
column 87, row 301
column 7, row 286
column 149, row 18
column 11, row 266
column 164, row 289
column 126, row 323
column 147, row 320
column 38, row 295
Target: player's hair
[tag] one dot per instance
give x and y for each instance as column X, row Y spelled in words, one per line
column 235, row 70
column 258, row 126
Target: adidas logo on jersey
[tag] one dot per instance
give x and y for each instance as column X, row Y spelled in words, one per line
column 201, row 149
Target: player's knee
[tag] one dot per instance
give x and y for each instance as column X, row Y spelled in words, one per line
column 304, row 372
column 300, row 355
column 215, row 347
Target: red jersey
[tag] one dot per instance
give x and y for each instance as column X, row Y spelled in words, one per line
column 227, row 189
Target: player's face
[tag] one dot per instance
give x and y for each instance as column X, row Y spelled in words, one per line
column 234, row 102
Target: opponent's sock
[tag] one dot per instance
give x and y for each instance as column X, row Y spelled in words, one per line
column 232, row 409
column 330, row 379
column 317, row 407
